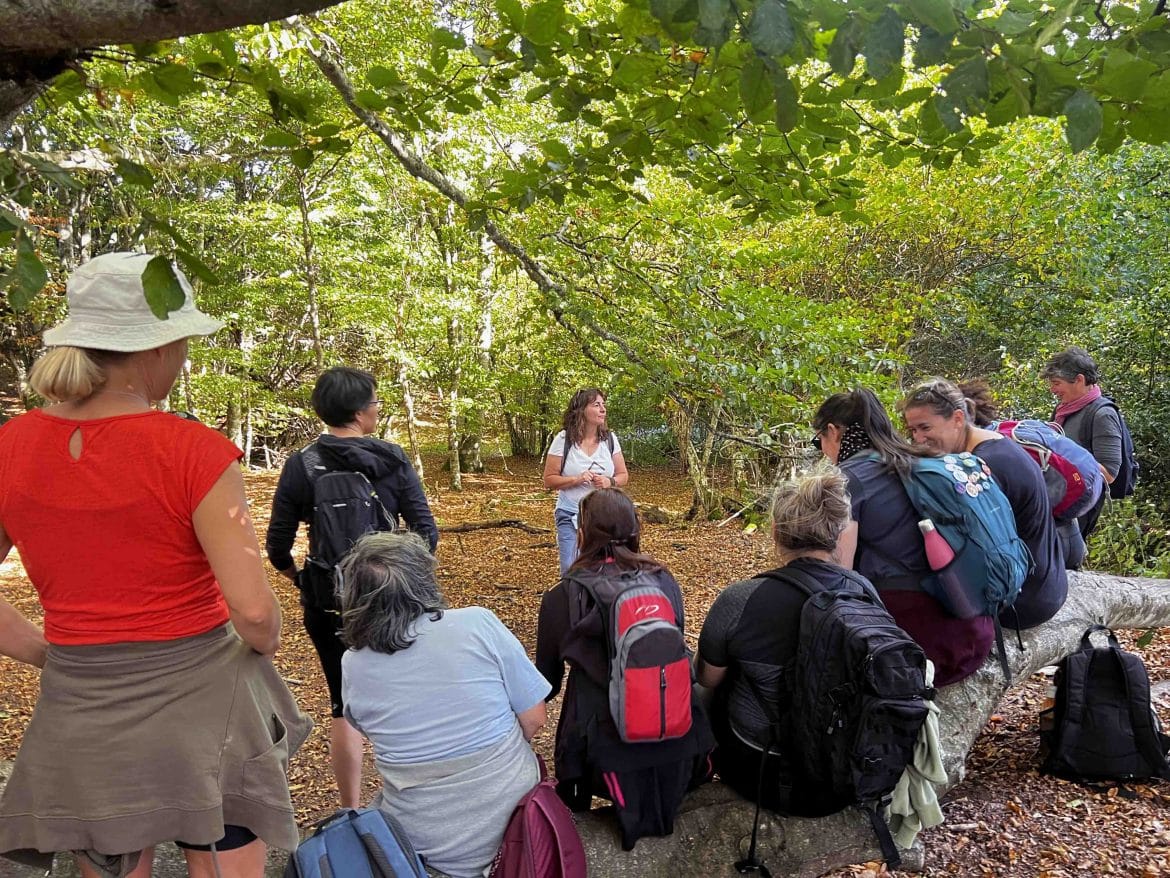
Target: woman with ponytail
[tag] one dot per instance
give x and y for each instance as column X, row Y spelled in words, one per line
column 882, row 541
column 942, row 417
column 645, row 780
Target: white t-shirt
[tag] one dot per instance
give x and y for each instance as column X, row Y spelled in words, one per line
column 578, row 462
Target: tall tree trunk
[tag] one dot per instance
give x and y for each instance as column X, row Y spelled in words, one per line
column 453, row 333
column 403, row 378
column 309, row 267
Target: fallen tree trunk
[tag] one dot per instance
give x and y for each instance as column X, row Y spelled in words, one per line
column 713, row 829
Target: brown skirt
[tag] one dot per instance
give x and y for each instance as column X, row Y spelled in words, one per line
column 133, row 744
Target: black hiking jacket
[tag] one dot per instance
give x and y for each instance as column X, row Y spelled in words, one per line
column 383, row 463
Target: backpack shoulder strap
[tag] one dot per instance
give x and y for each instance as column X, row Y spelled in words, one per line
column 796, row 578
column 311, row 461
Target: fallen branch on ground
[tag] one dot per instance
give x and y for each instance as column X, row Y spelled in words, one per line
column 486, row 525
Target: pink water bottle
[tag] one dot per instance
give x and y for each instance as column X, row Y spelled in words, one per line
column 938, row 551
column 939, row 555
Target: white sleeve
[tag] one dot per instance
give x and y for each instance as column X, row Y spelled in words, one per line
column 617, row 446
column 557, row 449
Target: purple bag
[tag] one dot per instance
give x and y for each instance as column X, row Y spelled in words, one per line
column 541, row 840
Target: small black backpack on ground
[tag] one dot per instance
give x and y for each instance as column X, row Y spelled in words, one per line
column 858, row 700
column 345, row 508
column 1103, row 727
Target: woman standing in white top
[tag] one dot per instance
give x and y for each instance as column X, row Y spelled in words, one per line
column 585, row 455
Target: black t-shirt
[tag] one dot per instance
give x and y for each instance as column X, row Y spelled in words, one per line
column 1018, row 475
column 752, row 629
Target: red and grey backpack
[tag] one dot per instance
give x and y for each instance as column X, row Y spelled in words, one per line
column 1071, row 474
column 649, row 665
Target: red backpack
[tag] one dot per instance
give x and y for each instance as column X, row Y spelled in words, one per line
column 649, row 665
column 541, row 840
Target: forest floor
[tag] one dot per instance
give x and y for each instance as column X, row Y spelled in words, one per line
column 1005, row 819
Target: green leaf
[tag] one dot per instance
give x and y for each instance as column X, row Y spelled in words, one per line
column 279, row 138
column 931, row 48
column 634, row 71
column 1083, row 120
column 964, row 91
column 787, row 103
column 714, row 23
column 770, row 29
column 164, row 294
column 385, row 78
column 176, row 79
column 370, row 100
column 512, row 11
column 545, row 21
column 1011, row 24
column 670, row 11
column 196, row 266
column 29, row 275
column 843, row 48
column 755, row 90
column 1146, row 639
column 1125, row 76
column 935, row 14
column 302, row 157
column 884, row 45
column 1059, row 19
column 134, row 173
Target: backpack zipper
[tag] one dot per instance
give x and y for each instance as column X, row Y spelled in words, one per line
column 662, row 700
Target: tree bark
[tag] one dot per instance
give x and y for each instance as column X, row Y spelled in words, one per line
column 710, row 831
column 40, row 38
column 309, row 264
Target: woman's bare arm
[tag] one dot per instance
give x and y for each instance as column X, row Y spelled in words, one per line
column 223, row 526
column 19, row 638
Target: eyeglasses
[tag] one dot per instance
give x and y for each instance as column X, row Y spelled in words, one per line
column 374, row 404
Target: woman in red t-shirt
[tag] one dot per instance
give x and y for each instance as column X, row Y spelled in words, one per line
column 157, row 720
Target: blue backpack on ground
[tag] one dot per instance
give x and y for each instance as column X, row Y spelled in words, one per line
column 365, row 843
column 970, row 512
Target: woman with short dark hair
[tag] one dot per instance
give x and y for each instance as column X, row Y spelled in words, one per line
column 583, row 457
column 1087, row 417
column 645, row 780
column 448, row 698
column 883, row 542
column 347, row 401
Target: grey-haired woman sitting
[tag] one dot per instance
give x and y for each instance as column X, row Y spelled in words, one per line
column 448, row 698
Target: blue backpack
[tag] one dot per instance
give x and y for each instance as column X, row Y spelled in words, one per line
column 365, row 843
column 958, row 494
column 1071, row 474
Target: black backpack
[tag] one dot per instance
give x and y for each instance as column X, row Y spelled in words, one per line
column 1102, row 725
column 1126, row 480
column 345, row 508
column 857, row 701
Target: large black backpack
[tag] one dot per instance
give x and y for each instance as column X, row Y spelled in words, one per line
column 1103, row 727
column 857, row 701
column 345, row 508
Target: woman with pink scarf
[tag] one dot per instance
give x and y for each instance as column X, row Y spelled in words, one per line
column 1086, row 417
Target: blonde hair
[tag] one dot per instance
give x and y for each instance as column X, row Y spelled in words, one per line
column 811, row 512
column 67, row 373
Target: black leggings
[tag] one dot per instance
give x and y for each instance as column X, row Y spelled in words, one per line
column 324, row 629
column 233, row 837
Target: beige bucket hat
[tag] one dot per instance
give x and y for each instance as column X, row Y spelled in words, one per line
column 108, row 310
